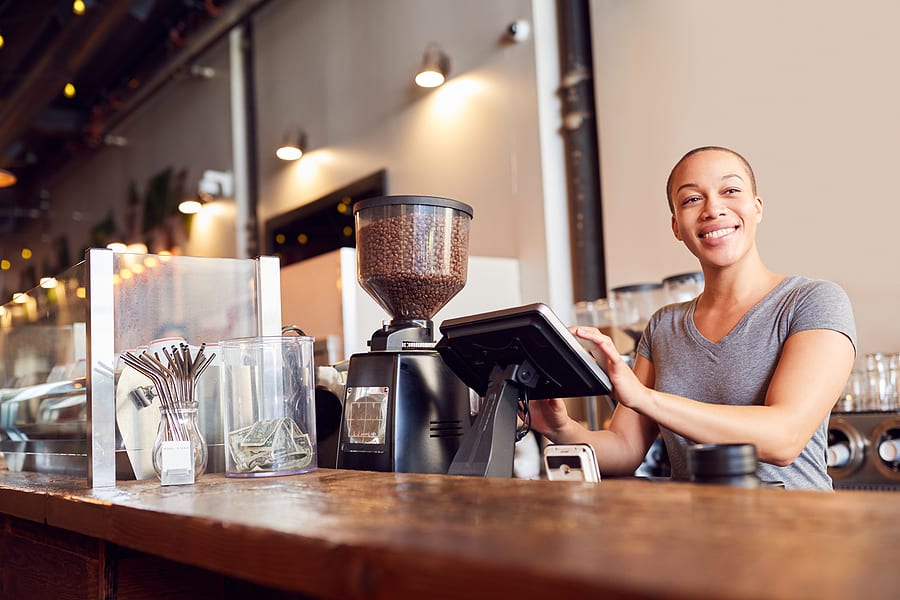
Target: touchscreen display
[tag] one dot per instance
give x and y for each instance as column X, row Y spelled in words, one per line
column 532, row 334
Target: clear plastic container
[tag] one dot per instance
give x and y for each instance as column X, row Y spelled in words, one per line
column 636, row 303
column 608, row 318
column 683, row 287
column 268, row 406
column 412, row 252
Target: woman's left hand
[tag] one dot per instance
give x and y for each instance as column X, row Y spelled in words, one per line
column 627, row 388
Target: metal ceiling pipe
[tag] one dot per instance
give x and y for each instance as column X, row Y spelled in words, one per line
column 243, row 140
column 581, row 139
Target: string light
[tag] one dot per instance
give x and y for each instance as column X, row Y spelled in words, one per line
column 78, row 7
column 69, row 90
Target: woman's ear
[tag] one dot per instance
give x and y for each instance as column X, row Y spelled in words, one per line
column 759, row 209
column 675, row 229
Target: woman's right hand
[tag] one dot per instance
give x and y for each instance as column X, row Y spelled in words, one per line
column 549, row 417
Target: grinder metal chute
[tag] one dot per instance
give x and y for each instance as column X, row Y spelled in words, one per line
column 404, row 410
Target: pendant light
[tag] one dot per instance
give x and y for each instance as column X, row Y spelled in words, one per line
column 435, row 67
column 293, row 145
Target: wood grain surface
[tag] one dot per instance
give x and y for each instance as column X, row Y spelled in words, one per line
column 354, row 534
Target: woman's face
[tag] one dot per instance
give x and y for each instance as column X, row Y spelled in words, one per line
column 715, row 208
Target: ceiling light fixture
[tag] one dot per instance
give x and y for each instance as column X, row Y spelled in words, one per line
column 435, row 67
column 293, row 145
column 191, row 206
column 212, row 185
column 7, row 178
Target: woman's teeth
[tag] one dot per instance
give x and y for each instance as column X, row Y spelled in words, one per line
column 718, row 233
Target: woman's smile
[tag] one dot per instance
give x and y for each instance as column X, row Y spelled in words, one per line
column 717, row 233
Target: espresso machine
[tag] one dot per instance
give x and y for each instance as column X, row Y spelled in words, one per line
column 404, row 410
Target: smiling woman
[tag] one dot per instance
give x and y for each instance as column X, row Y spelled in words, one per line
column 712, row 196
column 758, row 357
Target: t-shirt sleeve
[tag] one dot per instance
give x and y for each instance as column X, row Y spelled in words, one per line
column 824, row 305
column 643, row 347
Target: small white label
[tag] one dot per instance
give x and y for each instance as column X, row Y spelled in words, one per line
column 177, row 462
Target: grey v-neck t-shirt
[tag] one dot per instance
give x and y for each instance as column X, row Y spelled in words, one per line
column 737, row 369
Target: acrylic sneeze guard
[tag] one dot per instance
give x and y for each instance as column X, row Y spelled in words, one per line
column 68, row 406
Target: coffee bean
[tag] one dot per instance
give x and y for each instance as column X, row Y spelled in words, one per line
column 413, row 264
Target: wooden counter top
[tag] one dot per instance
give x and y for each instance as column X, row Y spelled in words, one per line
column 352, row 534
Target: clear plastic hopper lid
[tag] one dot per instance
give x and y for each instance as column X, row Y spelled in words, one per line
column 412, row 252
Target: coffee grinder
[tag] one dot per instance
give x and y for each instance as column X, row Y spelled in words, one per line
column 404, row 410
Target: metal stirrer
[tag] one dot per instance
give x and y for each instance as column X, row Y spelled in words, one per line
column 175, row 384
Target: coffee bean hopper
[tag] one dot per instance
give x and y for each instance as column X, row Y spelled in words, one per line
column 404, row 410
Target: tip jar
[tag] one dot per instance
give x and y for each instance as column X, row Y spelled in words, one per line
column 268, row 405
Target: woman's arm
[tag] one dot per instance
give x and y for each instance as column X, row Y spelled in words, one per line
column 812, row 370
column 621, row 448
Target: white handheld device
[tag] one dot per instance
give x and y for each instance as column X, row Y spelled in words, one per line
column 571, row 462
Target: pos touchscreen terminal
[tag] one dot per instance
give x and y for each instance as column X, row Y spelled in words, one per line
column 509, row 357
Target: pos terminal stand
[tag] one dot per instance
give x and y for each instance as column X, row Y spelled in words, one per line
column 507, row 356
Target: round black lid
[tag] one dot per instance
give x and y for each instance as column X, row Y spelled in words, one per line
column 415, row 200
column 716, row 460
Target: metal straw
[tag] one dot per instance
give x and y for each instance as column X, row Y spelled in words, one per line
column 176, row 382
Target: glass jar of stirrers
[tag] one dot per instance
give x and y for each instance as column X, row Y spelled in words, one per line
column 179, row 424
column 180, row 453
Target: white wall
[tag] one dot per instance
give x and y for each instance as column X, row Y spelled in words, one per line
column 343, row 70
column 806, row 90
